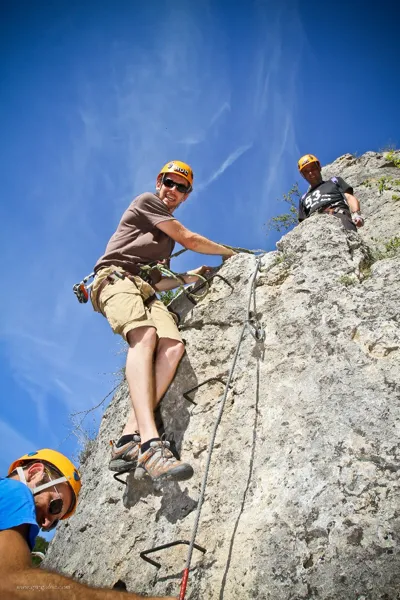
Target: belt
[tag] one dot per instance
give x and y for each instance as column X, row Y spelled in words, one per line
column 111, row 280
column 334, row 211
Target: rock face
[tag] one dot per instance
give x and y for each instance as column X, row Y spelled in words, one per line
column 303, row 498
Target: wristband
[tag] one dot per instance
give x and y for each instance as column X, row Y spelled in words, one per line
column 357, row 217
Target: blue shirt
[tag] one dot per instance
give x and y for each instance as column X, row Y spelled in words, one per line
column 17, row 507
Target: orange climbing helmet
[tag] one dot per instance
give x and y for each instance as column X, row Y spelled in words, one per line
column 60, row 463
column 306, row 160
column 180, row 168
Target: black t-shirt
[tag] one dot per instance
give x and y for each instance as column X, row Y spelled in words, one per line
column 327, row 193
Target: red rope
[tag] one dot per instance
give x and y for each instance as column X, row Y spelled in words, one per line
column 185, row 578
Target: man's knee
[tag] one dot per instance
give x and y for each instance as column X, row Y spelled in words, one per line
column 145, row 336
column 174, row 349
column 179, row 349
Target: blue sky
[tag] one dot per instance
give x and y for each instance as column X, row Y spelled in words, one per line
column 97, row 96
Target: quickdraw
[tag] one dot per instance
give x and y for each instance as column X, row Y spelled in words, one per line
column 81, row 290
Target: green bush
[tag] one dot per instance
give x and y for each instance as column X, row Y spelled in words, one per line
column 392, row 246
column 367, row 183
column 347, row 280
column 390, row 156
column 168, row 296
column 383, row 184
column 284, row 221
column 41, row 545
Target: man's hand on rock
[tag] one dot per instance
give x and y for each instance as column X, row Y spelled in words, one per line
column 357, row 218
column 193, row 273
column 228, row 254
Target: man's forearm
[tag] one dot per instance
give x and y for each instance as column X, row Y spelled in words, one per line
column 170, row 283
column 36, row 584
column 167, row 283
column 353, row 203
column 203, row 245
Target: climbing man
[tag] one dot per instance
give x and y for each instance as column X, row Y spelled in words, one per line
column 41, row 488
column 334, row 197
column 124, row 292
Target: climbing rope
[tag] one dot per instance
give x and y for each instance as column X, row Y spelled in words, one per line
column 235, row 248
column 251, row 323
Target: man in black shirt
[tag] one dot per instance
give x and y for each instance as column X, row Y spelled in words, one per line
column 334, row 196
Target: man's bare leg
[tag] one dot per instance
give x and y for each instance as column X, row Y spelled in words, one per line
column 140, row 377
column 148, row 455
column 168, row 356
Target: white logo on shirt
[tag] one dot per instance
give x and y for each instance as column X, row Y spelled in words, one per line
column 312, row 199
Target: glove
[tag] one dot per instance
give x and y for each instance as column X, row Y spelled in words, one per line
column 357, row 218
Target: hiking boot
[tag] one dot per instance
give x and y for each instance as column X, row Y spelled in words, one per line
column 160, row 464
column 124, row 458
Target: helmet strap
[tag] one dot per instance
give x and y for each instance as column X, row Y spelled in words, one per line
column 21, row 475
column 42, row 487
column 51, row 483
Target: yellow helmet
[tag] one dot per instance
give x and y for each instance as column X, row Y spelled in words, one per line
column 62, row 464
column 306, row 160
column 180, row 168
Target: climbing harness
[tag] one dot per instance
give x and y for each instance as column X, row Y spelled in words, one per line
column 82, row 289
column 253, row 325
column 333, row 211
column 115, row 276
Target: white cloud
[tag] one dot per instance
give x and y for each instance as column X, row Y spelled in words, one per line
column 225, row 165
column 225, row 107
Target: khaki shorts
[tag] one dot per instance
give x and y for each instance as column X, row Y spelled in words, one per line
column 122, row 303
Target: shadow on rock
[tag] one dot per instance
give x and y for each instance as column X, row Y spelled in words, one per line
column 175, row 504
column 137, row 489
column 174, row 408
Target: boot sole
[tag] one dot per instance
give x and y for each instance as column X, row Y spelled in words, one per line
column 119, row 465
column 180, row 474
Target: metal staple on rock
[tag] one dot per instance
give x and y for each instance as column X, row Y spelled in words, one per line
column 257, row 331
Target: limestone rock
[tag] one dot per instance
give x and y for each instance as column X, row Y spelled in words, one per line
column 376, row 182
column 302, row 499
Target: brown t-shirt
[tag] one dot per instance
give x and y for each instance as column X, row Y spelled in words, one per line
column 137, row 241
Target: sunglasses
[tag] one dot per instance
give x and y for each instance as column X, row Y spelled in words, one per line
column 55, row 508
column 181, row 187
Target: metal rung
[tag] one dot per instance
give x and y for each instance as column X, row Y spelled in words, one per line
column 163, row 547
column 186, row 394
column 199, row 286
column 115, row 475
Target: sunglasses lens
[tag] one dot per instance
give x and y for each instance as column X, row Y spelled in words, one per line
column 169, row 183
column 55, row 506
